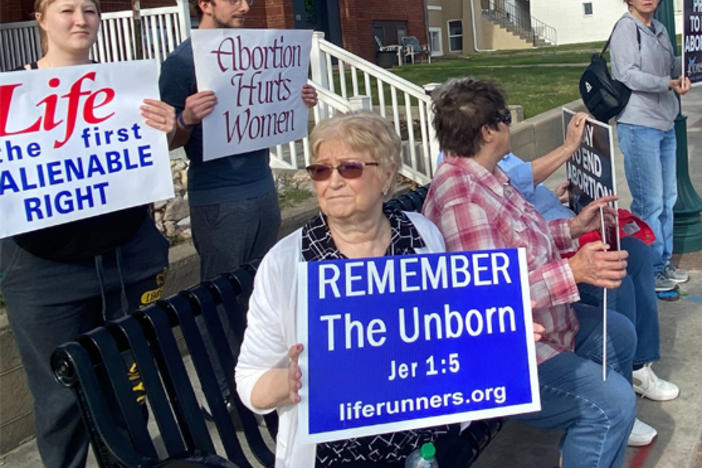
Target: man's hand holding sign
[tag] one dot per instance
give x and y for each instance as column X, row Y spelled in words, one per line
column 250, row 81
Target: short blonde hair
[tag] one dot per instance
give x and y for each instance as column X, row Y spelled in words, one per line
column 362, row 131
column 40, row 8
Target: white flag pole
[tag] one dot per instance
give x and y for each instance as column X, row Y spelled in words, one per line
column 604, row 307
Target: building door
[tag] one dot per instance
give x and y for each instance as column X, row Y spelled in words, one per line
column 320, row 15
column 435, row 42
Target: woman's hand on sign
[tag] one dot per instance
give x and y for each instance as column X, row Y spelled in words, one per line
column 309, row 95
column 294, row 373
column 198, row 106
column 538, row 331
column 592, row 264
column 680, row 85
column 589, row 218
column 574, row 132
column 159, row 115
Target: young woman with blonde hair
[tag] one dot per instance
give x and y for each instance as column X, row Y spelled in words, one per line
column 61, row 281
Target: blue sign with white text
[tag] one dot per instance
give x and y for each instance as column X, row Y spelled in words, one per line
column 395, row 343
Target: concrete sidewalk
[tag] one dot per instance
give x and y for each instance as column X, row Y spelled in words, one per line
column 679, row 422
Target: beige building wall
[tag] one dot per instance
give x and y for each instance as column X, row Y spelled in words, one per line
column 439, row 13
column 488, row 35
column 492, row 36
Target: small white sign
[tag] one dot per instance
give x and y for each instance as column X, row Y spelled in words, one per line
column 73, row 144
column 257, row 76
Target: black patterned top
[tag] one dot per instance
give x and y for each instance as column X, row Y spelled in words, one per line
column 317, row 244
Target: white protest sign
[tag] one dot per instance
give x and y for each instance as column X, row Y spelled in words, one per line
column 73, row 144
column 257, row 76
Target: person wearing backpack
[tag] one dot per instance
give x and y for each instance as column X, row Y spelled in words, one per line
column 650, row 69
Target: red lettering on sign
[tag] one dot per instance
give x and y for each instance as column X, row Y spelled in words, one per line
column 48, row 121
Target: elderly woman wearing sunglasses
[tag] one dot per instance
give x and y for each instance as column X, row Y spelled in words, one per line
column 356, row 157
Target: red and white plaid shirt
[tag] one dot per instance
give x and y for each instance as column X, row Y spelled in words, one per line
column 479, row 210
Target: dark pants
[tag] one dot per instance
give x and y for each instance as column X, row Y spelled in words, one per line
column 50, row 303
column 227, row 235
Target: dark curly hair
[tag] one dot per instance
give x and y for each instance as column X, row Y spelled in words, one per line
column 461, row 107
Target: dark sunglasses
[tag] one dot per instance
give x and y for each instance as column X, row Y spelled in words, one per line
column 504, row 116
column 347, row 170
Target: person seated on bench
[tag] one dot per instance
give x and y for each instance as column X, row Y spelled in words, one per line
column 475, row 207
column 355, row 160
column 634, row 298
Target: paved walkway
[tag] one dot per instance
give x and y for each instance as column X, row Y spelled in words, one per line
column 679, row 422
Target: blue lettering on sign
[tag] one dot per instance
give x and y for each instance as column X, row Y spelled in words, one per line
column 410, row 337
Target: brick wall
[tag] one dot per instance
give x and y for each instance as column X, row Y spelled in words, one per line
column 357, row 22
column 274, row 14
column 356, row 17
column 15, row 10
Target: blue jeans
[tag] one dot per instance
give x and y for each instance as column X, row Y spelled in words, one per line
column 597, row 416
column 649, row 164
column 635, row 298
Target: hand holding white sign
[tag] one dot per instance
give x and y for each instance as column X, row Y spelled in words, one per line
column 77, row 144
column 257, row 76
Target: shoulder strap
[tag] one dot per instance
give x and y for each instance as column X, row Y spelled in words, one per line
column 638, row 37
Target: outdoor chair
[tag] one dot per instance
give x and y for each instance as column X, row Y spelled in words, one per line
column 412, row 49
column 396, row 50
column 95, row 366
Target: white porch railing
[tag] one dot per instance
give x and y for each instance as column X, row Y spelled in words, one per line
column 19, row 44
column 341, row 77
column 343, row 80
column 162, row 29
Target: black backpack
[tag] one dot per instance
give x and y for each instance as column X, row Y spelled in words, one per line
column 603, row 96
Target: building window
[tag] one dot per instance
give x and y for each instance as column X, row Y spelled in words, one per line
column 435, row 41
column 587, row 7
column 389, row 32
column 455, row 35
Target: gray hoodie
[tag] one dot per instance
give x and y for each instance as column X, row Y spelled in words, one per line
column 647, row 69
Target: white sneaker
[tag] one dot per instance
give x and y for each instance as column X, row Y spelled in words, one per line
column 648, row 384
column 641, row 434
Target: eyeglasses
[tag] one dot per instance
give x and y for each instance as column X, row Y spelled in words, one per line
column 250, row 3
column 504, row 116
column 347, row 170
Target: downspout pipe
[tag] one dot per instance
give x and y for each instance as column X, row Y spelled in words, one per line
column 475, row 38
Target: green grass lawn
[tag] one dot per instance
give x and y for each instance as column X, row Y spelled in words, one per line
column 536, row 79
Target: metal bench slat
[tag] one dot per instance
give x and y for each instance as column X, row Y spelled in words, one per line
column 158, row 400
column 175, row 376
column 117, row 375
column 73, row 368
column 180, row 305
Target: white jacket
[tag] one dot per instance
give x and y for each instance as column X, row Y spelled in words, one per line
column 271, row 331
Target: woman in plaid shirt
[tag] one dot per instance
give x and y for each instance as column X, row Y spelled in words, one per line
column 475, row 207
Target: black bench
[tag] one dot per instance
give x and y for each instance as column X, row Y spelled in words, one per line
column 95, row 368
